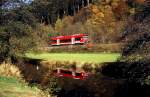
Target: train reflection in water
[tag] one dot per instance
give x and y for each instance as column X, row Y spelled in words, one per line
column 59, row 72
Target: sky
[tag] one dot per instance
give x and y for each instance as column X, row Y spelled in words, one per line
column 11, row 5
column 27, row 1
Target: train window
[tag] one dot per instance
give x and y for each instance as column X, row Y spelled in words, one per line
column 66, row 40
column 78, row 74
column 55, row 71
column 66, row 72
column 77, row 39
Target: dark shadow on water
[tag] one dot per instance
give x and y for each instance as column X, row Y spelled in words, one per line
column 133, row 90
column 128, row 71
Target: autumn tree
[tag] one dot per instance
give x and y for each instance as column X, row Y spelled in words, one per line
column 135, row 58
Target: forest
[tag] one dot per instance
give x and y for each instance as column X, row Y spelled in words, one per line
column 120, row 26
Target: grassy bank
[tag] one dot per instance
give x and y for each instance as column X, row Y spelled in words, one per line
column 11, row 87
column 76, row 57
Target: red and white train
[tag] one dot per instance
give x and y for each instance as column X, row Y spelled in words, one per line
column 69, row 40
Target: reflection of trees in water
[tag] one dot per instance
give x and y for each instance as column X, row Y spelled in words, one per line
column 74, row 88
column 77, row 92
column 95, row 86
column 133, row 75
column 133, row 90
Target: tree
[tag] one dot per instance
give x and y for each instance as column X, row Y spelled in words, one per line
column 17, row 29
column 15, row 40
column 137, row 49
column 136, row 52
column 48, row 11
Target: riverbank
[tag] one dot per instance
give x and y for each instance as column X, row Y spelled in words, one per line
column 12, row 87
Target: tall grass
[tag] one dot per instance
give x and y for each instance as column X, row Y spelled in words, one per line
column 11, row 77
column 10, row 70
column 15, row 88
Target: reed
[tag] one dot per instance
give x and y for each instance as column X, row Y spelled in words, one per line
column 10, row 70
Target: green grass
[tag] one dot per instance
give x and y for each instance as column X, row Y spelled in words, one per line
column 11, row 87
column 77, row 57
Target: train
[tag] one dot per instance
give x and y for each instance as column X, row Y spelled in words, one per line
column 69, row 40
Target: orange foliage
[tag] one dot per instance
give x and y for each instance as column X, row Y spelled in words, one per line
column 140, row 1
column 94, row 9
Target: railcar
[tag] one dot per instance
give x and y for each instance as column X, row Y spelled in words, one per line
column 69, row 40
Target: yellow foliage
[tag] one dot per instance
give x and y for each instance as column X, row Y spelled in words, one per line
column 59, row 25
column 140, row 1
column 10, row 71
column 114, row 4
column 132, row 11
column 100, row 14
column 67, row 20
column 94, row 9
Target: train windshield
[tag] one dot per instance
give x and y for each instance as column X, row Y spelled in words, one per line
column 66, row 72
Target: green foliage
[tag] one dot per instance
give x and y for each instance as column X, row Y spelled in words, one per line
column 53, row 86
column 16, row 38
column 41, row 35
column 16, row 30
column 58, row 25
column 147, row 80
column 16, row 10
